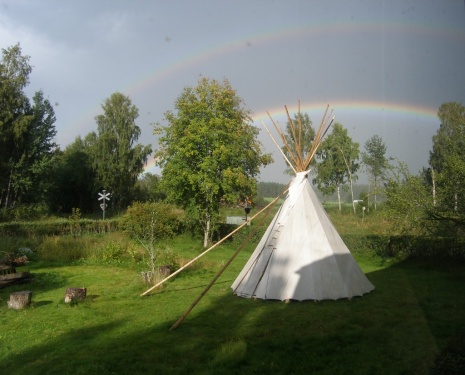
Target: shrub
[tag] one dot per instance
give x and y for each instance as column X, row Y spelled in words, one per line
column 168, row 258
column 109, row 251
column 158, row 220
column 407, row 246
column 149, row 223
column 24, row 212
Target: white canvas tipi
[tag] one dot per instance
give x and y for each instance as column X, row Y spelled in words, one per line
column 301, row 256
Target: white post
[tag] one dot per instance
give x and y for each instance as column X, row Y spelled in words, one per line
column 103, row 196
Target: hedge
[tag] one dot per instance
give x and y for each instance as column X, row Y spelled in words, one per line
column 407, row 246
column 57, row 227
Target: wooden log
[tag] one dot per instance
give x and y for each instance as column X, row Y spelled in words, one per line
column 75, row 294
column 14, row 278
column 20, row 300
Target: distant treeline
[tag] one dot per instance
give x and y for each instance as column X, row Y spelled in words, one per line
column 360, row 192
column 270, row 189
column 273, row 189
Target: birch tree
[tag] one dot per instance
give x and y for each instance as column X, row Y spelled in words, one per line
column 338, row 156
column 118, row 160
column 448, row 154
column 375, row 161
column 209, row 152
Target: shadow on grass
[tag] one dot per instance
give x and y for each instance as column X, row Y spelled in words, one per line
column 198, row 286
column 397, row 329
column 48, row 280
column 44, row 281
column 41, row 303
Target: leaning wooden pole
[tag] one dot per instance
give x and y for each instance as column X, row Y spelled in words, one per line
column 244, row 243
column 211, row 248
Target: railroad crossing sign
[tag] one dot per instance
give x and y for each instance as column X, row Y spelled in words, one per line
column 103, row 197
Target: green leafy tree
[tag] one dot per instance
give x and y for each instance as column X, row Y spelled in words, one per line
column 209, row 151
column 149, row 188
column 375, row 161
column 408, row 201
column 32, row 176
column 305, row 136
column 449, row 211
column 338, row 156
column 117, row 159
column 450, row 135
column 14, row 116
column 447, row 161
column 410, row 205
column 448, row 151
column 74, row 179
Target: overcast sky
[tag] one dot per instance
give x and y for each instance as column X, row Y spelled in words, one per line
column 385, row 67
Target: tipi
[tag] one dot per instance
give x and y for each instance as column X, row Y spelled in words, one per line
column 301, row 256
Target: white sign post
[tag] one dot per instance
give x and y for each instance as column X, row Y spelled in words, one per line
column 104, row 196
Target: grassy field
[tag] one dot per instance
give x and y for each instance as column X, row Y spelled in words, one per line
column 416, row 309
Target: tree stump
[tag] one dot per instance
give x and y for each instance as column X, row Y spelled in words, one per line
column 75, row 294
column 164, row 270
column 20, row 300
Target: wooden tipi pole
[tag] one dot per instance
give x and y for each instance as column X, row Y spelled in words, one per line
column 244, row 243
column 279, row 148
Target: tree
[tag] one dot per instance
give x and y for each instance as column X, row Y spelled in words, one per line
column 409, row 204
column 407, row 201
column 14, row 116
column 209, row 151
column 447, row 161
column 375, row 160
column 338, row 156
column 450, row 207
column 448, row 150
column 306, row 138
column 74, row 179
column 32, row 177
column 148, row 188
column 117, row 159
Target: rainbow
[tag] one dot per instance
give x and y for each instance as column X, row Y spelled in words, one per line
column 199, row 56
column 196, row 57
column 342, row 108
column 352, row 107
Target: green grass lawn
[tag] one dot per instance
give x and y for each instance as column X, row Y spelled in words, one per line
column 416, row 309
